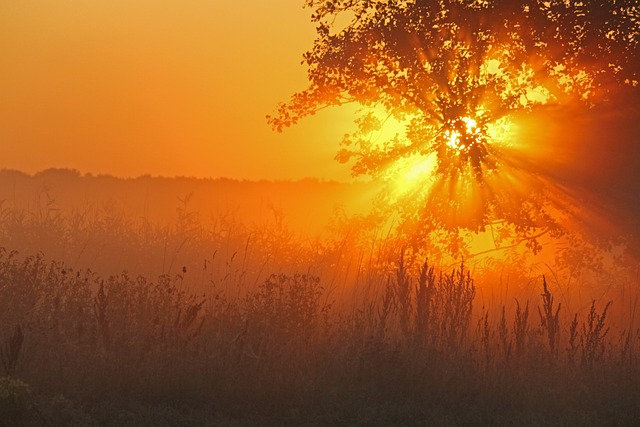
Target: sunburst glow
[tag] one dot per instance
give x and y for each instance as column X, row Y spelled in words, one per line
column 447, row 90
column 463, row 133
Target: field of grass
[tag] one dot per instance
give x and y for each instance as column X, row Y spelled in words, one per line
column 228, row 323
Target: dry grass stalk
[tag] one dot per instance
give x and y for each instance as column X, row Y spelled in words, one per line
column 10, row 351
column 549, row 319
column 385, row 310
column 521, row 328
column 455, row 296
column 594, row 332
column 424, row 295
column 505, row 341
column 573, row 340
column 403, row 297
column 100, row 305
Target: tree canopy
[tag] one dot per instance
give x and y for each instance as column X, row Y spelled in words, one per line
column 452, row 72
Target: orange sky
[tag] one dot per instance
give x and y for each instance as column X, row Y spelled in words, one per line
column 161, row 87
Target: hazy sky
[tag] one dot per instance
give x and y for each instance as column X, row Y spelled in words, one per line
column 165, row 87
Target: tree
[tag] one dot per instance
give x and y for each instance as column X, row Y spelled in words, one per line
column 452, row 74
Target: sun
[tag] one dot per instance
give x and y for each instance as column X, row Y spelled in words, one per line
column 463, row 133
column 462, row 147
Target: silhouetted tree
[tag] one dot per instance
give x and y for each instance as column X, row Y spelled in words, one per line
column 450, row 70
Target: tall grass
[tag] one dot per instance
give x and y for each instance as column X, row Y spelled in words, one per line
column 270, row 329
